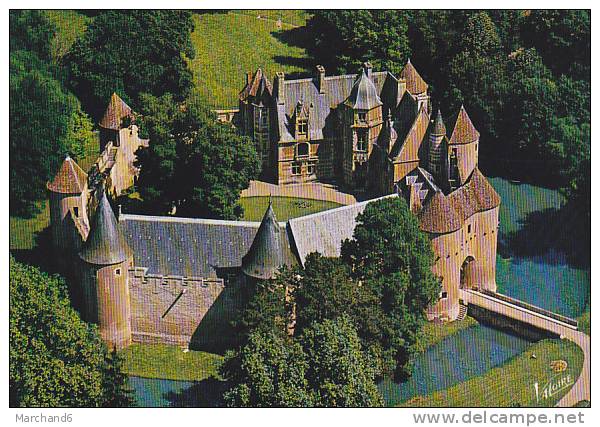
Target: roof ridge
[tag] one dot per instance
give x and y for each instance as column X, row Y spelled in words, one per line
column 340, row 208
column 184, row 220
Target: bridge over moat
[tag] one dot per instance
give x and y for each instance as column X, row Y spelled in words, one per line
column 541, row 319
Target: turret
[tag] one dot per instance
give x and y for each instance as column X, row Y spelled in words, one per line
column 111, row 122
column 269, row 250
column 68, row 193
column 105, row 261
column 436, row 148
column 463, row 149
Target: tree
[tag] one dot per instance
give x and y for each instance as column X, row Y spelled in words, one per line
column 270, row 370
column 40, row 114
column 117, row 392
column 392, row 258
column 195, row 165
column 55, row 359
column 340, row 373
column 80, row 140
column 356, row 36
column 130, row 52
column 31, row 30
column 325, row 366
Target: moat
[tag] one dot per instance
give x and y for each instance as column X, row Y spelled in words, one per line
column 540, row 274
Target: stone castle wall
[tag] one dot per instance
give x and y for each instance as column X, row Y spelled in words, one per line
column 179, row 310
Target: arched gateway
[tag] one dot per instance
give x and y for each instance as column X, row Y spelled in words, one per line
column 468, row 278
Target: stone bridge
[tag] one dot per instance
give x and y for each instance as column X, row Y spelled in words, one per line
column 545, row 320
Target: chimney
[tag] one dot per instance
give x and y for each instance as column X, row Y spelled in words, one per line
column 320, row 78
column 279, row 81
column 368, row 68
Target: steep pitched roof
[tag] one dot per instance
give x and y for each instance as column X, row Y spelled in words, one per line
column 269, row 250
column 363, row 95
column 447, row 213
column 70, row 179
column 257, row 87
column 105, row 244
column 116, row 111
column 408, row 149
column 463, row 130
column 414, row 82
column 439, row 128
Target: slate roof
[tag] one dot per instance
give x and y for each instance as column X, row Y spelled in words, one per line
column 463, row 130
column 105, row 244
column 70, row 178
column 447, row 213
column 257, row 87
column 188, row 247
column 115, row 112
column 363, row 95
column 414, row 82
column 439, row 128
column 407, row 149
column 324, row 231
column 270, row 249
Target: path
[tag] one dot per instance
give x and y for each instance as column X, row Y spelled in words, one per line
column 539, row 318
column 315, row 191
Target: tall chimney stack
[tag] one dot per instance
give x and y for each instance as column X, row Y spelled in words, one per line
column 320, row 78
column 279, row 81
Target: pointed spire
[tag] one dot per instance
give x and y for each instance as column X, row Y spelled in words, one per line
column 388, row 135
column 116, row 111
column 258, row 86
column 414, row 82
column 463, row 130
column 363, row 95
column 439, row 128
column 269, row 250
column 105, row 244
column 70, row 178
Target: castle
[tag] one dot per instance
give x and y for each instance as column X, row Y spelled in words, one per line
column 179, row 280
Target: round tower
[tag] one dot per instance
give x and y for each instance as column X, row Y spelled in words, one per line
column 436, row 139
column 68, row 206
column 106, row 259
column 269, row 250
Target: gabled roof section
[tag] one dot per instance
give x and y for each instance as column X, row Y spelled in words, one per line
column 408, row 149
column 414, row 82
column 439, row 216
column 363, row 95
column 70, row 179
column 105, row 244
column 116, row 111
column 463, row 130
column 259, row 86
column 269, row 250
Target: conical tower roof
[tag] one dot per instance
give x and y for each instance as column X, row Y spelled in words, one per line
column 439, row 128
column 105, row 244
column 70, row 179
column 414, row 82
column 363, row 95
column 463, row 131
column 115, row 112
column 269, row 250
column 438, row 216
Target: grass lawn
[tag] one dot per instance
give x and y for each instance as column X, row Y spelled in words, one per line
column 511, row 384
column 70, row 24
column 284, row 207
column 169, row 362
column 433, row 332
column 230, row 44
column 23, row 231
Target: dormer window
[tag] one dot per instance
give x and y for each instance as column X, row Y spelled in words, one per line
column 302, row 149
column 302, row 128
column 361, row 117
column 76, row 211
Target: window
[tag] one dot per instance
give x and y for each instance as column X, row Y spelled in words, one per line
column 310, row 168
column 443, row 295
column 302, row 149
column 362, row 142
column 302, row 127
column 296, row 168
column 262, row 117
column 469, row 228
column 117, row 272
column 76, row 211
column 362, row 117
